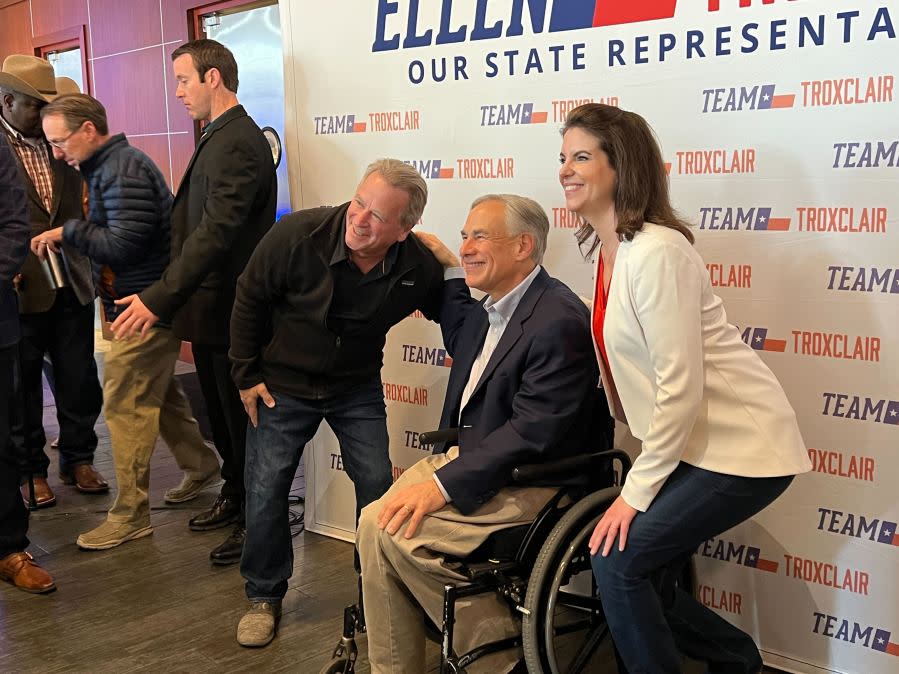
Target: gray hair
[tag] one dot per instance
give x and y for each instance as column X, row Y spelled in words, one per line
column 523, row 216
column 405, row 178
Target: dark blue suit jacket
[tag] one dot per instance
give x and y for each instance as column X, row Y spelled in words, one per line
column 15, row 233
column 537, row 399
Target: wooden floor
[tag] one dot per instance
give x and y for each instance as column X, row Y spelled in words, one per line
column 157, row 604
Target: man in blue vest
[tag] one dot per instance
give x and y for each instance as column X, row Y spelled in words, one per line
column 127, row 237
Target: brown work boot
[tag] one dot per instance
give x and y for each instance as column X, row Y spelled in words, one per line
column 86, row 479
column 43, row 495
column 21, row 570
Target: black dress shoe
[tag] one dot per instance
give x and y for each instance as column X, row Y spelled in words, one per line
column 229, row 552
column 223, row 512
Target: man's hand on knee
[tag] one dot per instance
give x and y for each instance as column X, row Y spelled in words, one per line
column 411, row 503
column 250, row 399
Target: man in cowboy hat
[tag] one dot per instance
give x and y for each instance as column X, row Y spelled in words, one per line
column 57, row 312
column 16, row 565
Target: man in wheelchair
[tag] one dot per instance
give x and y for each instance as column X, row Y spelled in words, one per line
column 522, row 390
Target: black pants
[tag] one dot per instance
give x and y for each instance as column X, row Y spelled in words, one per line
column 66, row 334
column 226, row 415
column 13, row 515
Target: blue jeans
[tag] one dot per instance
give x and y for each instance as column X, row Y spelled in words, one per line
column 693, row 506
column 358, row 419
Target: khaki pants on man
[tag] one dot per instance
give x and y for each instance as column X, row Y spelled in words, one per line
column 403, row 579
column 143, row 400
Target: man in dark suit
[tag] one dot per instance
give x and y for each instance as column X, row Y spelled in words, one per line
column 57, row 308
column 522, row 389
column 224, row 206
column 16, row 565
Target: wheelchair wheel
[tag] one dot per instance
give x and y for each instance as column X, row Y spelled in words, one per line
column 564, row 629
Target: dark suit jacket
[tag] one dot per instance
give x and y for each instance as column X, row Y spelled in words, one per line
column 36, row 294
column 224, row 206
column 14, row 235
column 537, row 399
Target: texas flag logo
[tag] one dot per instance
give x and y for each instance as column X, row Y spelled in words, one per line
column 577, row 14
column 764, row 222
column 758, row 340
column 883, row 644
column 888, row 533
column 892, row 417
column 768, row 100
column 531, row 116
column 755, row 560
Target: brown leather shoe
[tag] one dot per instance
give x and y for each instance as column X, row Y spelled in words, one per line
column 86, row 479
column 43, row 495
column 21, row 570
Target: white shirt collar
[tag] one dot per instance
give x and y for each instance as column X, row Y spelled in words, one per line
column 507, row 305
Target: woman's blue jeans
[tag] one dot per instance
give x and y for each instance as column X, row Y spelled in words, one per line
column 693, row 506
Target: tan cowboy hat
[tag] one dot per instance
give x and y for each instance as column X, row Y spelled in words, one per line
column 66, row 85
column 29, row 75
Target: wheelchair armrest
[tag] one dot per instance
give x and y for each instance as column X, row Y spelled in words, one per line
column 571, row 470
column 450, row 435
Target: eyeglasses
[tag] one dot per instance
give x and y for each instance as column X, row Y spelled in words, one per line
column 61, row 143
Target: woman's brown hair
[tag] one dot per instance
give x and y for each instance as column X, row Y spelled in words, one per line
column 641, row 189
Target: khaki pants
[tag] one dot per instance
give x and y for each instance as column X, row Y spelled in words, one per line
column 142, row 400
column 403, row 579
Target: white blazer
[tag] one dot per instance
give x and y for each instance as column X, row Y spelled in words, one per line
column 687, row 385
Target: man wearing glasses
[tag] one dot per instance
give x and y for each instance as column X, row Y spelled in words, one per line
column 127, row 235
column 55, row 300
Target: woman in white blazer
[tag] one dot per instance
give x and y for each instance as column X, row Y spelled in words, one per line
column 720, row 439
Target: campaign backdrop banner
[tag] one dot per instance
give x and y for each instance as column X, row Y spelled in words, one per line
column 778, row 121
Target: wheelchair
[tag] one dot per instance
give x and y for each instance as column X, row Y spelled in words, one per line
column 541, row 569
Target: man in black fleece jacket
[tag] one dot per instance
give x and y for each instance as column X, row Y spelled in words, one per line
column 127, row 237
column 313, row 308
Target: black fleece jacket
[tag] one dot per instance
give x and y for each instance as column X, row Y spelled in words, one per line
column 279, row 325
